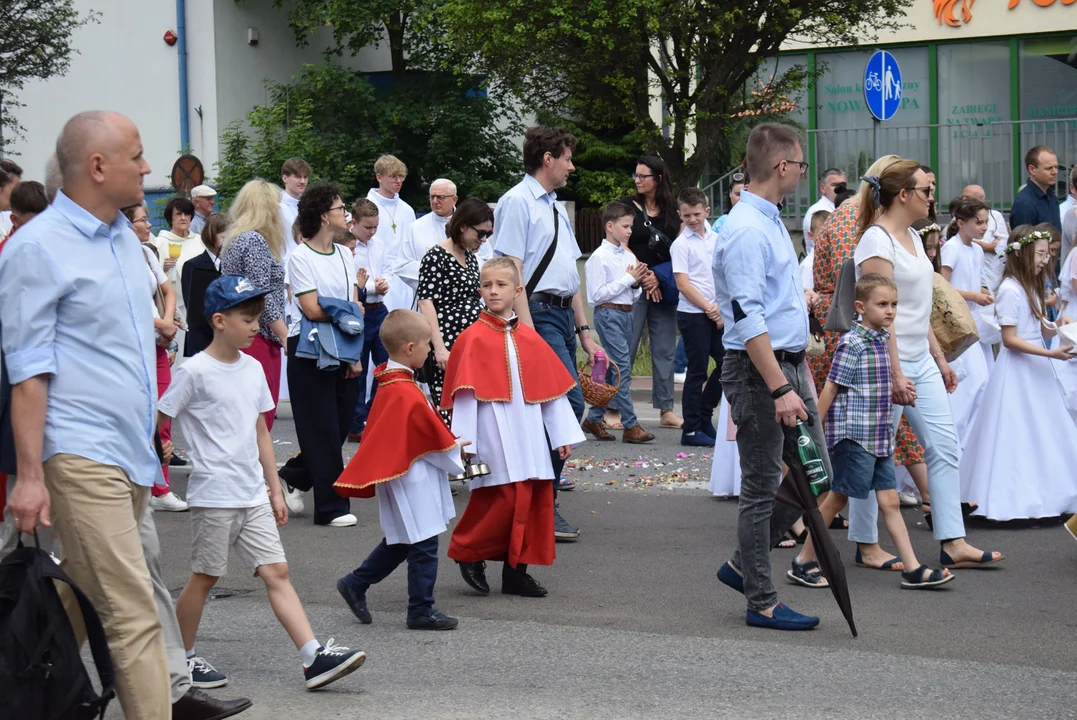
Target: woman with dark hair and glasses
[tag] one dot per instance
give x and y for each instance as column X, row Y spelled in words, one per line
column 448, row 289
column 655, row 228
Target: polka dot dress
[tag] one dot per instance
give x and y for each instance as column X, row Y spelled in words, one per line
column 454, row 290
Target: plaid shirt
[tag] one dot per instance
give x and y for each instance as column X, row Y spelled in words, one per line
column 861, row 410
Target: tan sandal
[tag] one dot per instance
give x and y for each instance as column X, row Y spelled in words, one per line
column 615, row 424
column 675, row 424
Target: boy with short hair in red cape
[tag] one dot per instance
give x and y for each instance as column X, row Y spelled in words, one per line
column 507, row 390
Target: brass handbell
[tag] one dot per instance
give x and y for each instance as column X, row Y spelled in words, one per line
column 473, row 468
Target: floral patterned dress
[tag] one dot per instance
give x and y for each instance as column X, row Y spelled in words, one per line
column 835, row 244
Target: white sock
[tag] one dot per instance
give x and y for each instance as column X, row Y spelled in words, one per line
column 190, row 653
column 309, row 651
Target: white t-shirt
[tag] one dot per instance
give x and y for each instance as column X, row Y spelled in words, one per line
column 157, row 278
column 807, row 270
column 217, row 405
column 691, row 255
column 5, row 223
column 330, row 274
column 966, row 262
column 915, row 280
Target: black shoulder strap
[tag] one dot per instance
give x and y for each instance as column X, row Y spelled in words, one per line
column 547, row 257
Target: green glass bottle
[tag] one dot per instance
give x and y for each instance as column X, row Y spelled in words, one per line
column 811, row 461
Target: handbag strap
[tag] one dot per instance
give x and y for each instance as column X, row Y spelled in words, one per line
column 650, row 225
column 547, row 256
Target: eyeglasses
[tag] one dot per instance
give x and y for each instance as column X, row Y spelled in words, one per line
column 803, row 166
column 339, row 207
column 483, row 234
column 1043, row 254
column 144, row 221
column 927, row 190
column 441, row 198
column 637, row 176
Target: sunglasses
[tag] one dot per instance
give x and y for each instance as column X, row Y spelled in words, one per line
column 483, row 234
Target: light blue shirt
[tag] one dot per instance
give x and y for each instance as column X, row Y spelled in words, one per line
column 757, row 278
column 523, row 229
column 1066, row 206
column 74, row 305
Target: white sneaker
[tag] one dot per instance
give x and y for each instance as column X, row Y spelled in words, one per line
column 908, row 500
column 168, row 503
column 679, row 378
column 344, row 521
column 293, row 499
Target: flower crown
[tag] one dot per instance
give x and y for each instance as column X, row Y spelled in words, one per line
column 925, row 231
column 1027, row 240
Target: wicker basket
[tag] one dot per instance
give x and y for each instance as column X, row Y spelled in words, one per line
column 598, row 394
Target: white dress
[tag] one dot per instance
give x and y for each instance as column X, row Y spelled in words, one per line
column 966, row 263
column 725, row 466
column 1011, row 467
column 508, row 436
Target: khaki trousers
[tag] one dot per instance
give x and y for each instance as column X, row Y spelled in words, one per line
column 98, row 512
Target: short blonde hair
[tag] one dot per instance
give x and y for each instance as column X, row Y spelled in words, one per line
column 502, row 263
column 257, row 208
column 364, row 208
column 401, row 327
column 390, row 165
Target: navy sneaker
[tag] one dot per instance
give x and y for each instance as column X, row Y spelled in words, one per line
column 356, row 599
column 562, row 531
column 784, row 618
column 332, row 663
column 435, row 620
column 204, row 675
column 697, row 438
column 731, row 576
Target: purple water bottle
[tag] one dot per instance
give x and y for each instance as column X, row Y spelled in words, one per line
column 598, row 371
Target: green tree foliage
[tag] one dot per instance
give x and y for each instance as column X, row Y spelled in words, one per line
column 336, row 120
column 612, row 57
column 35, row 44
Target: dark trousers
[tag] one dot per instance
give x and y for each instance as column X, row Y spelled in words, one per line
column 700, row 394
column 323, row 404
column 374, row 354
column 422, row 560
column 557, row 326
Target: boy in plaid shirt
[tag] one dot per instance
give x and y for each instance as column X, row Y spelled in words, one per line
column 856, row 402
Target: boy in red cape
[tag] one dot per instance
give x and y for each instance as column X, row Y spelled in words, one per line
column 408, row 453
column 507, row 389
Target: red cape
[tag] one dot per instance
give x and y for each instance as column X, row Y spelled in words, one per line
column 401, row 429
column 479, row 361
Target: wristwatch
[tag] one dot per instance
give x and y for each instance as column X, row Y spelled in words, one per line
column 581, row 328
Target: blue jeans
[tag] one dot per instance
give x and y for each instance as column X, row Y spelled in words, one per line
column 762, row 442
column 931, row 421
column 615, row 330
column 680, row 357
column 700, row 394
column 374, row 354
column 557, row 326
column 422, row 558
column 661, row 322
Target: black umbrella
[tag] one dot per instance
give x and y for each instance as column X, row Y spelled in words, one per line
column 796, row 492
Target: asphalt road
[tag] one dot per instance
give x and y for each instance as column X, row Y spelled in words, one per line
column 636, row 625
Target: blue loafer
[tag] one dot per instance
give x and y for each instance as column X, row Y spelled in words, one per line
column 697, row 439
column 784, row 618
column 355, row 598
column 730, row 576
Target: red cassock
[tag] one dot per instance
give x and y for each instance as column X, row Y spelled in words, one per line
column 401, row 429
column 511, row 522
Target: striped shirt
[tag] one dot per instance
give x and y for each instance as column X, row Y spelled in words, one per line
column 861, row 410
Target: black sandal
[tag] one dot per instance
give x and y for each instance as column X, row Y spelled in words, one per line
column 914, row 579
column 839, row 523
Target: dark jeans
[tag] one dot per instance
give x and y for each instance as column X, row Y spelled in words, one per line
column 762, row 443
column 557, row 326
column 680, row 359
column 323, row 404
column 700, row 394
column 422, row 558
column 374, row 354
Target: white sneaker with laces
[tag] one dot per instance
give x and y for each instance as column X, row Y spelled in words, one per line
column 908, row 500
column 344, row 521
column 168, row 503
column 293, row 499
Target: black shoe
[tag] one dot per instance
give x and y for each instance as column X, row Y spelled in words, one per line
column 177, row 460
column 197, row 705
column 474, row 574
column 436, row 620
column 518, row 582
column 203, row 675
column 356, row 599
column 562, row 531
column 332, row 663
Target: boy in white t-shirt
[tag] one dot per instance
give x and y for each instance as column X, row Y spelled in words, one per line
column 698, row 318
column 218, row 397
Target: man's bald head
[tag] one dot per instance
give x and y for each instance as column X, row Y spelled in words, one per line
column 443, row 197
column 100, row 159
column 974, row 192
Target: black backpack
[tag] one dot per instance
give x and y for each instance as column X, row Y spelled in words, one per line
column 41, row 671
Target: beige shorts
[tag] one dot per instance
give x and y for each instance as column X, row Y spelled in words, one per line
column 251, row 532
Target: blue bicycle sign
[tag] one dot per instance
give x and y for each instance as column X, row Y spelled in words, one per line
column 882, row 85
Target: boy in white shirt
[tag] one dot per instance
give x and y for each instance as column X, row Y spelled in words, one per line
column 613, row 286
column 370, row 255
column 395, row 219
column 818, row 220
column 218, row 397
column 698, row 318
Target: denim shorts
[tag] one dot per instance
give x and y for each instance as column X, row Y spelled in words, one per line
column 856, row 471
